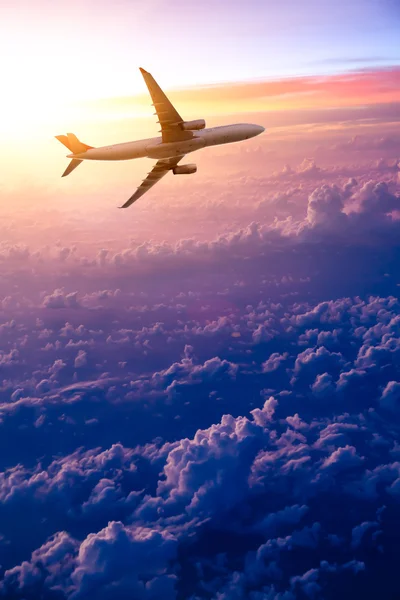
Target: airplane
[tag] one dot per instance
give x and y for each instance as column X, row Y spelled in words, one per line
column 178, row 138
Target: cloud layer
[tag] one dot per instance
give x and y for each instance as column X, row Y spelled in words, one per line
column 210, row 411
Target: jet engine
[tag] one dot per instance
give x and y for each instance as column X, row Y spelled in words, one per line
column 184, row 169
column 193, row 125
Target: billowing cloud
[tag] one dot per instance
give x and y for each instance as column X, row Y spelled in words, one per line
column 209, row 414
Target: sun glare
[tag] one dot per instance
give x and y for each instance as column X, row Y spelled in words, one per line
column 48, row 86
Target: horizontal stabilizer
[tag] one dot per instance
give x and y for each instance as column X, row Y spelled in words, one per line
column 72, row 165
column 64, row 140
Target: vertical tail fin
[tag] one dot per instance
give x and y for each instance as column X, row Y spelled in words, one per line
column 71, row 142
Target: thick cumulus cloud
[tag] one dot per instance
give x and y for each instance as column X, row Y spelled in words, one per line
column 213, row 416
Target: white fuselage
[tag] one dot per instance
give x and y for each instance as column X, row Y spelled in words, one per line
column 156, row 148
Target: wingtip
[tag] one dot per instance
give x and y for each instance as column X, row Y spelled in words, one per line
column 143, row 71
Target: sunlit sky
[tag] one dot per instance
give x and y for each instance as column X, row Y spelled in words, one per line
column 92, row 48
column 59, row 56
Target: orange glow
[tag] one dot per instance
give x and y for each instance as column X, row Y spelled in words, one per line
column 355, row 89
column 47, row 111
column 29, row 151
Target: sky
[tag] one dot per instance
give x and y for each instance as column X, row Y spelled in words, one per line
column 199, row 396
column 94, row 48
column 69, row 51
column 73, row 66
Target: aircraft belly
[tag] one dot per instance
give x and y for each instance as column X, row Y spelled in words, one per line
column 224, row 138
column 170, row 149
column 117, row 152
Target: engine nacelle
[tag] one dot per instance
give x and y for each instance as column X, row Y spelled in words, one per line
column 184, row 169
column 193, row 125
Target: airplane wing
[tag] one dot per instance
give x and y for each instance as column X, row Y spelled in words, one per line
column 160, row 169
column 168, row 117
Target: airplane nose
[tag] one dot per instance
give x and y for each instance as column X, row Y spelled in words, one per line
column 254, row 130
